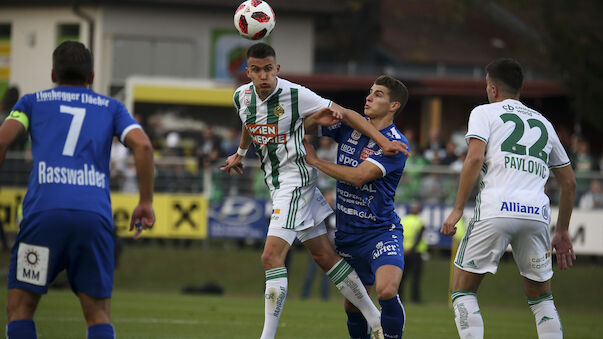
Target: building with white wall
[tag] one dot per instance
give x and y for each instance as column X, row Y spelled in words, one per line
column 187, row 39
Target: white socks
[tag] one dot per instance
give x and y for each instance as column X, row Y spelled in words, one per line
column 467, row 315
column 349, row 284
column 274, row 300
column 548, row 323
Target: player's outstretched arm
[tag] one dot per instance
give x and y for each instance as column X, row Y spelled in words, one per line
column 561, row 242
column 359, row 123
column 9, row 131
column 234, row 164
column 471, row 167
column 357, row 176
column 143, row 216
column 324, row 117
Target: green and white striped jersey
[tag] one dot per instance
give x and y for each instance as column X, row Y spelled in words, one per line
column 521, row 148
column 276, row 127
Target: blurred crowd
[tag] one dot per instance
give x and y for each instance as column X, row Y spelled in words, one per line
column 189, row 153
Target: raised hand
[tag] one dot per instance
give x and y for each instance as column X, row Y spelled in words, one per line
column 327, row 116
column 393, row 147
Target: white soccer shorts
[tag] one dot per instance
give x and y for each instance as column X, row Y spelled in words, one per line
column 295, row 212
column 485, row 242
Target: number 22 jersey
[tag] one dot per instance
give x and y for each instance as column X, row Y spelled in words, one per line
column 521, row 148
column 71, row 130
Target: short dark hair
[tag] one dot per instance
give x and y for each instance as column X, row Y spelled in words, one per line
column 506, row 73
column 72, row 63
column 260, row 51
column 397, row 90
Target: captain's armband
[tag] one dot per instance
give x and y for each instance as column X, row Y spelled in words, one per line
column 20, row 117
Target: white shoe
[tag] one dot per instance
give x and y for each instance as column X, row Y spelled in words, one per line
column 377, row 333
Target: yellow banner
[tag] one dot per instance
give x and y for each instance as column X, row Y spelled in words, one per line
column 177, row 215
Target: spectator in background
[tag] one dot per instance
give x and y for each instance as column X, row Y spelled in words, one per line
column 209, row 149
column 593, row 198
column 583, row 160
column 435, row 148
column 450, row 155
column 172, row 145
column 457, row 165
column 414, row 247
column 411, row 178
column 230, row 144
column 409, row 133
column 119, row 164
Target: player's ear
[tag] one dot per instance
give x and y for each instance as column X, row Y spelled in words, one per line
column 278, row 69
column 495, row 91
column 90, row 78
column 395, row 105
column 53, row 77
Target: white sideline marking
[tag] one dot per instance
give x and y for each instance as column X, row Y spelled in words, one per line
column 130, row 320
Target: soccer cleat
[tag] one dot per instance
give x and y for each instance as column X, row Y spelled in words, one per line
column 377, row 333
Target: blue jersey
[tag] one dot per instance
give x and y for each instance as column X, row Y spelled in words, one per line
column 71, row 130
column 372, row 204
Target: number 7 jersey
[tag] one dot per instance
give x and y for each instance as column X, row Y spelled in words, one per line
column 521, row 148
column 71, row 130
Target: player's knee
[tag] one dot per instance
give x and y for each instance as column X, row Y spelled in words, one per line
column 386, row 291
column 270, row 260
column 325, row 259
column 23, row 310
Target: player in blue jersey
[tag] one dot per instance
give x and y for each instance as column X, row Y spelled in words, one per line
column 369, row 233
column 67, row 218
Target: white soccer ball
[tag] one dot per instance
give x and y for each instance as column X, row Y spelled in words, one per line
column 254, row 19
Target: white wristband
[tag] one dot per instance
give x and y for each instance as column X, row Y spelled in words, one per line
column 242, row 151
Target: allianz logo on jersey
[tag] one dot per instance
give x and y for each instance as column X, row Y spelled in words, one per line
column 263, row 134
column 527, row 209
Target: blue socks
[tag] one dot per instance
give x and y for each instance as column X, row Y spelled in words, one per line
column 392, row 317
column 21, row 329
column 357, row 326
column 26, row 329
column 101, row 331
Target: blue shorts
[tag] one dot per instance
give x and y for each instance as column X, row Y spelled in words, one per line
column 368, row 251
column 49, row 242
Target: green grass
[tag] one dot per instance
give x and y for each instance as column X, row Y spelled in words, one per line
column 147, row 302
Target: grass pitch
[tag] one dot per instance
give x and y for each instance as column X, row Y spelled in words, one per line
column 147, row 302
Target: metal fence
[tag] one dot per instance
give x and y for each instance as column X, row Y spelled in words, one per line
column 426, row 184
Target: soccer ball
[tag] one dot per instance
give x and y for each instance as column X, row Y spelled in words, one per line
column 254, row 19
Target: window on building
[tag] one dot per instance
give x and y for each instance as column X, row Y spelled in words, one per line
column 150, row 56
column 68, row 32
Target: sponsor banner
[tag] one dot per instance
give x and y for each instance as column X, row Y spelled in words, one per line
column 240, row 218
column 182, row 216
column 177, row 215
column 585, row 229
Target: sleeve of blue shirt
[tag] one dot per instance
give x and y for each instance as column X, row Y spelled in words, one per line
column 334, row 132
column 123, row 122
column 388, row 163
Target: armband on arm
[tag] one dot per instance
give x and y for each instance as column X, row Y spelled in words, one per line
column 20, row 117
